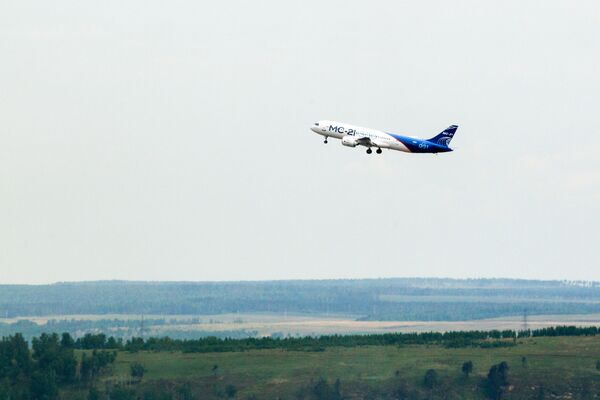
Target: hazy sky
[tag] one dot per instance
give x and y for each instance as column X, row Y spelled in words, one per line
column 169, row 140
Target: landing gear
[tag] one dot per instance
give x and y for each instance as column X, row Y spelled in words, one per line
column 369, row 151
column 325, row 141
column 378, row 151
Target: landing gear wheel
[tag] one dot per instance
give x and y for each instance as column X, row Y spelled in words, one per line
column 378, row 151
column 325, row 141
column 369, row 151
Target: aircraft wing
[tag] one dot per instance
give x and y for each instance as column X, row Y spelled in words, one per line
column 361, row 141
column 365, row 141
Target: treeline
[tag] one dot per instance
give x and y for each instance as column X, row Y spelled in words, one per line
column 40, row 371
column 565, row 331
column 486, row 339
column 118, row 328
column 421, row 299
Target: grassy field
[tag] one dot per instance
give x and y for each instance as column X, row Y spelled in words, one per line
column 564, row 366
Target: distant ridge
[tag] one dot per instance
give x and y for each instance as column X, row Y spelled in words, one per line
column 422, row 299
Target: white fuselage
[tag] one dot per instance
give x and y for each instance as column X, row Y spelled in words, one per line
column 351, row 134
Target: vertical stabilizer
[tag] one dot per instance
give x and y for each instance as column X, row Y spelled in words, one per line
column 445, row 137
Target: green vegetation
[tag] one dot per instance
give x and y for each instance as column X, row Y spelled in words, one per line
column 50, row 364
column 497, row 380
column 137, row 371
column 431, row 379
column 456, row 339
column 558, row 365
column 54, row 366
column 467, row 368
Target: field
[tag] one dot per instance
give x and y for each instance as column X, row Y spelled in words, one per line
column 563, row 366
column 267, row 324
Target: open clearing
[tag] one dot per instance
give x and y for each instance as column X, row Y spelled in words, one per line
column 558, row 364
column 268, row 324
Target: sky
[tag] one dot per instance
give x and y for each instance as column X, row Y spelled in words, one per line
column 154, row 140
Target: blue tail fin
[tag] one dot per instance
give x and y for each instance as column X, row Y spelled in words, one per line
column 445, row 137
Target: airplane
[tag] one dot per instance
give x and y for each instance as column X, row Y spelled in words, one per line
column 353, row 136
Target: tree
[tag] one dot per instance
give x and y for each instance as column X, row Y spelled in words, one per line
column 50, row 354
column 43, row 385
column 15, row 358
column 467, row 368
column 112, row 343
column 431, row 379
column 94, row 364
column 90, row 341
column 137, row 371
column 497, row 380
column 66, row 341
column 214, row 369
column 86, row 367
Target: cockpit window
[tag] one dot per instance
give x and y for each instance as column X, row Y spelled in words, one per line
column 316, row 124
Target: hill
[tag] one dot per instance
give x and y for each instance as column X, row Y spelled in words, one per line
column 401, row 299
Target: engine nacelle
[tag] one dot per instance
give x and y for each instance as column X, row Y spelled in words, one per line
column 349, row 141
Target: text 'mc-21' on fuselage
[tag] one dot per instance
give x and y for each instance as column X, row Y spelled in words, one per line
column 353, row 136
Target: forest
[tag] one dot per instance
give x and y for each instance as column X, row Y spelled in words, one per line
column 401, row 299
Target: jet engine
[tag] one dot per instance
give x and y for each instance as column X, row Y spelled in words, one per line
column 349, row 141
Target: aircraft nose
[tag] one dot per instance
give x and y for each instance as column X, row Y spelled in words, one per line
column 315, row 127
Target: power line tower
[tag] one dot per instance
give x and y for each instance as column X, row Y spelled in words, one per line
column 525, row 323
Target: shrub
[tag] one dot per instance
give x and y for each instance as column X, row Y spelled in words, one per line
column 137, row 370
column 467, row 368
column 431, row 379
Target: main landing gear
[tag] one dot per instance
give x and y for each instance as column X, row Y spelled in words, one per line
column 369, row 151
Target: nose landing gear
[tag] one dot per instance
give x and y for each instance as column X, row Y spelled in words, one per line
column 325, row 141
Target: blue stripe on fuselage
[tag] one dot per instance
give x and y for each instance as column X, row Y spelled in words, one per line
column 419, row 145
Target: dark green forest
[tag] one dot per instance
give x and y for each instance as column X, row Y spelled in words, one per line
column 375, row 299
column 49, row 364
column 454, row 339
